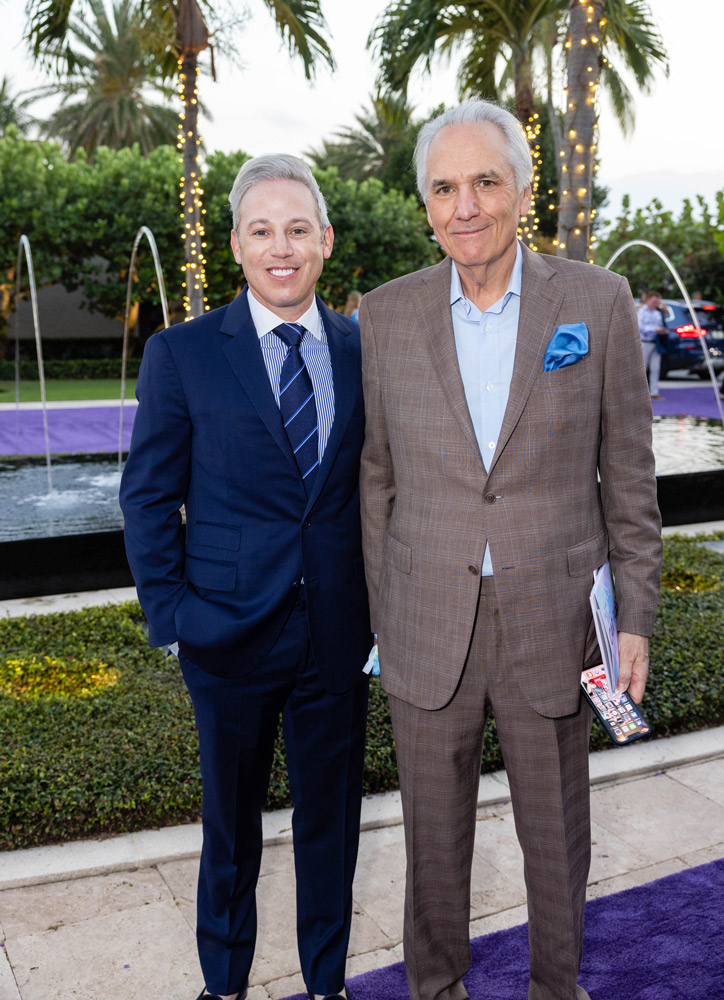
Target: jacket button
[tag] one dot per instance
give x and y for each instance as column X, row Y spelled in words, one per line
column 490, row 498
column 307, row 524
column 474, row 570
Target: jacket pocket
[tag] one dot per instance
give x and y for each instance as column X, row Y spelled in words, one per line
column 210, row 575
column 217, row 536
column 588, row 555
column 562, row 378
column 397, row 554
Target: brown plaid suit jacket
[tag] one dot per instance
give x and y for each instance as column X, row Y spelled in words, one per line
column 428, row 505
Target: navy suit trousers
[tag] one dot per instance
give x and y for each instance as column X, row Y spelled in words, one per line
column 237, row 721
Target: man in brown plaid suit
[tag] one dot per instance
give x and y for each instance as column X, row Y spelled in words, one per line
column 499, row 386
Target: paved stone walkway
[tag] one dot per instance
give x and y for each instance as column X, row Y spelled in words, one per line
column 658, row 807
column 114, row 919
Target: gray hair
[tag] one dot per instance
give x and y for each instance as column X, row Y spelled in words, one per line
column 275, row 167
column 477, row 112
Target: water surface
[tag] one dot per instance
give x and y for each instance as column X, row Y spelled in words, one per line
column 84, row 497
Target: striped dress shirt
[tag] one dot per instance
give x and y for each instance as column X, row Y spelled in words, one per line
column 314, row 349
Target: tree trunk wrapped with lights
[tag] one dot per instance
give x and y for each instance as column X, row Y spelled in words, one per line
column 530, row 119
column 578, row 147
column 191, row 191
column 192, row 38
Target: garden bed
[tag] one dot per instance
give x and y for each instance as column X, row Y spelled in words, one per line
column 99, row 738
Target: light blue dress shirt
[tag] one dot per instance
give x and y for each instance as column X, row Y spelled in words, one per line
column 485, row 343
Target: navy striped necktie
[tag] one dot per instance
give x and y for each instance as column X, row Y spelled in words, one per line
column 297, row 405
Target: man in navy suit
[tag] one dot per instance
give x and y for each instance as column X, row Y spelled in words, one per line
column 251, row 417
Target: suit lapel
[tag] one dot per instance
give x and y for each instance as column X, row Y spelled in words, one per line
column 243, row 353
column 345, row 364
column 540, row 302
column 435, row 323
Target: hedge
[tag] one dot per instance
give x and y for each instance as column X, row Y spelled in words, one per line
column 79, row 368
column 70, row 348
column 101, row 739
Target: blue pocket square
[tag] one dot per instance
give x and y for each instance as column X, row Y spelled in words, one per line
column 567, row 345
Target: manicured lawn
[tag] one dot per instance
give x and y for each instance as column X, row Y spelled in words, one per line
column 57, row 389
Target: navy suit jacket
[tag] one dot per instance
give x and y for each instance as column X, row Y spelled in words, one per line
column 208, row 434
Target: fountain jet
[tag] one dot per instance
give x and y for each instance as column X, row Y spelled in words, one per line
column 685, row 294
column 24, row 246
column 143, row 231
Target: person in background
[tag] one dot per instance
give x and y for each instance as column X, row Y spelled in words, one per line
column 352, row 305
column 252, row 417
column 651, row 325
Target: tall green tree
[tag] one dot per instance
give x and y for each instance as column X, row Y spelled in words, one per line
column 33, row 197
column 81, row 218
column 578, row 141
column 693, row 239
column 107, row 99
column 178, row 32
column 596, row 27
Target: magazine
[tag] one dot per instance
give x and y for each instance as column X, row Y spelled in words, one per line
column 603, row 604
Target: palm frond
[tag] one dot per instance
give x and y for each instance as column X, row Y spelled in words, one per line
column 622, row 102
column 302, row 25
column 108, row 98
column 13, row 108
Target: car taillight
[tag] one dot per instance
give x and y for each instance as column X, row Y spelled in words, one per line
column 708, row 308
column 688, row 330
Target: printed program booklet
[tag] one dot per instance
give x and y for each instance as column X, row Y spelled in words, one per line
column 603, row 604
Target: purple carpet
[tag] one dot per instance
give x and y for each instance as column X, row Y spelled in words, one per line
column 660, row 941
column 697, row 401
column 93, row 429
column 72, row 430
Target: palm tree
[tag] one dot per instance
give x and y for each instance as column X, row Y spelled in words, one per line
column 595, row 27
column 380, row 147
column 13, row 109
column 577, row 144
column 179, row 31
column 501, row 41
column 106, row 97
column 300, row 23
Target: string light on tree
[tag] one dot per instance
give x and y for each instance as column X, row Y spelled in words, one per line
column 583, row 49
column 191, row 194
column 528, row 225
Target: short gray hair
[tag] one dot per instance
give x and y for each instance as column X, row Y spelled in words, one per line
column 275, row 167
column 477, row 112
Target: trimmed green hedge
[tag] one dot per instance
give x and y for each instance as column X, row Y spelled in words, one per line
column 123, row 756
column 80, row 368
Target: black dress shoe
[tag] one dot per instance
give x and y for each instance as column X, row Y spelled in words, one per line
column 203, row 995
column 329, row 996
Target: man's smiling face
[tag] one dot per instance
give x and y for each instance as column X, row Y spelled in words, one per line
column 473, row 203
column 280, row 246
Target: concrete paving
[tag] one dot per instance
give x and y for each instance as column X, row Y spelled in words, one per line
column 113, row 919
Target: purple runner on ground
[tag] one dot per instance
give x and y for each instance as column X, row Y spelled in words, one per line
column 93, row 429
column 72, row 431
column 697, row 401
column 658, row 941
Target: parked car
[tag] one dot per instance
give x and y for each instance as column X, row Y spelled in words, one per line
column 684, row 350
